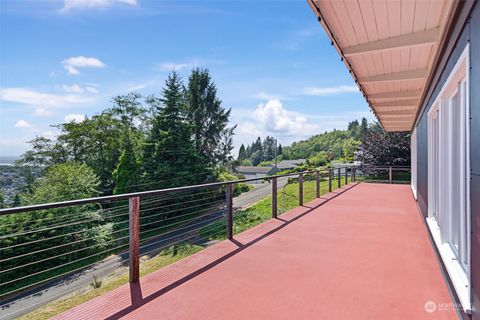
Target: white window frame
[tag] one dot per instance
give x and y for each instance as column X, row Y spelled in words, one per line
column 442, row 229
column 413, row 157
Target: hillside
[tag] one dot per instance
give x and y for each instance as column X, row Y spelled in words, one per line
column 319, row 149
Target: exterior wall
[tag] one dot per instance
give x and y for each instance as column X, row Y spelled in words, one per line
column 470, row 33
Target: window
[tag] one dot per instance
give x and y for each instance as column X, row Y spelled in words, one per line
column 449, row 176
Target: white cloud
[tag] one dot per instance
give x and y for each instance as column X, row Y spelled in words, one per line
column 91, row 89
column 75, row 88
column 276, row 119
column 266, row 96
column 74, row 117
column 248, row 129
column 22, row 124
column 137, row 87
column 72, row 64
column 273, row 119
column 42, row 112
column 327, row 91
column 69, row 5
column 32, row 97
column 49, row 134
column 172, row 66
column 262, row 95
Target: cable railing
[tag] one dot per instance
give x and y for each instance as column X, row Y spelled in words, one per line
column 385, row 174
column 43, row 244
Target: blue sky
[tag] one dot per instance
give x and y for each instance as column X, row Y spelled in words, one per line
column 271, row 60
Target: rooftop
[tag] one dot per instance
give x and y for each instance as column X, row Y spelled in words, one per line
column 252, row 169
column 363, row 251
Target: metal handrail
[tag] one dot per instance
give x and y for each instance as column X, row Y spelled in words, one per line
column 134, row 219
column 126, row 196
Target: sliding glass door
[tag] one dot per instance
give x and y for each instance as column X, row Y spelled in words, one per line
column 449, row 178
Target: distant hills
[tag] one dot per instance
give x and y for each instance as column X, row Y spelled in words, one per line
column 7, row 160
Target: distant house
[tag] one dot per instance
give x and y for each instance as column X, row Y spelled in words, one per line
column 288, row 164
column 251, row 172
column 258, row 172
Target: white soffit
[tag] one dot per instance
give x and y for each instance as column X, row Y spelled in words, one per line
column 390, row 47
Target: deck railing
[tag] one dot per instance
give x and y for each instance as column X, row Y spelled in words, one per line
column 46, row 244
column 385, row 174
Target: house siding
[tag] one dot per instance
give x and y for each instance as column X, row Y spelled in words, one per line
column 469, row 34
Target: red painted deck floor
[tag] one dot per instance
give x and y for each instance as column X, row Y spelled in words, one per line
column 359, row 253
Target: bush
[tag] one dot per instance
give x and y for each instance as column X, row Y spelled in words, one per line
column 96, row 283
column 320, row 159
column 238, row 188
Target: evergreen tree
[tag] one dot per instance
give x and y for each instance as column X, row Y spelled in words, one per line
column 126, row 174
column 363, row 127
column 352, row 125
column 241, row 152
column 248, row 152
column 17, row 201
column 170, row 158
column 256, row 157
column 279, row 150
column 2, row 201
column 212, row 136
column 269, row 146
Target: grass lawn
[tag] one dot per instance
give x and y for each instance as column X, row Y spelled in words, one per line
column 262, row 210
column 163, row 259
column 397, row 177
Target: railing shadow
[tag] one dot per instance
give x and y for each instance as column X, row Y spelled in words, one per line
column 137, row 299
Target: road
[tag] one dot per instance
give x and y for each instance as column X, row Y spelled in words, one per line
column 261, row 191
column 34, row 298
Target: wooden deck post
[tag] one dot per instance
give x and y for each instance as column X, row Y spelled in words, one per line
column 274, row 197
column 300, row 189
column 318, row 183
column 339, row 177
column 330, row 173
column 134, row 244
column 229, row 210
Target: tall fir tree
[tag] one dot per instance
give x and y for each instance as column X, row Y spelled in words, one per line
column 127, row 172
column 279, row 150
column 212, row 136
column 241, row 153
column 363, row 127
column 170, row 157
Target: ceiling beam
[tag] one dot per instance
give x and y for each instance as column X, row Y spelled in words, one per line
column 390, row 117
column 429, row 36
column 398, row 130
column 397, row 124
column 385, row 109
column 396, row 127
column 397, row 112
column 396, row 95
column 396, row 76
column 397, row 103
